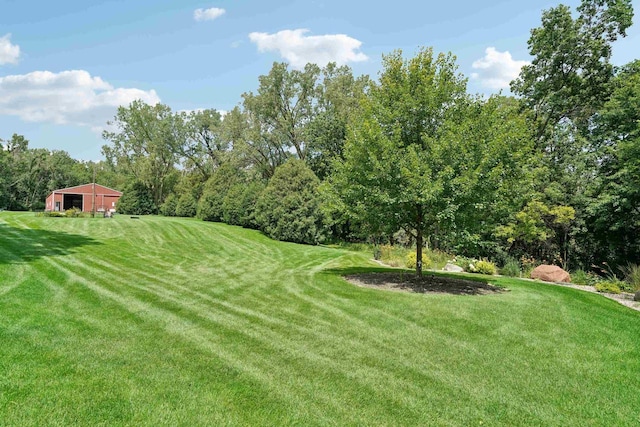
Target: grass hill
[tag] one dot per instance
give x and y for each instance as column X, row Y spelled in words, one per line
column 166, row 321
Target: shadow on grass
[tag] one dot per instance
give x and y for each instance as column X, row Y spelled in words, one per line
column 408, row 281
column 18, row 245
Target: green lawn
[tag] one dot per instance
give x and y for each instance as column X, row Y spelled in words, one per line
column 160, row 321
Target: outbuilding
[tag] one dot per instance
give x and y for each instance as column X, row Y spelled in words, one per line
column 87, row 198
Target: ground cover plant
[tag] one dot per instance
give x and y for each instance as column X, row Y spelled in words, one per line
column 174, row 321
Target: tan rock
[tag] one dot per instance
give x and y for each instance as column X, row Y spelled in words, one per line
column 452, row 267
column 550, row 273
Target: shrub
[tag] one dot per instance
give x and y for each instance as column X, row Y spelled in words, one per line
column 467, row 264
column 608, row 272
column 472, row 265
column 72, row 213
column 438, row 258
column 528, row 264
column 239, row 205
column 168, row 208
column 232, row 208
column 393, row 255
column 581, row 277
column 511, row 268
column 136, row 200
column 485, row 267
column 410, row 260
column 632, row 276
column 289, row 207
column 210, row 205
column 610, row 287
column 186, row 206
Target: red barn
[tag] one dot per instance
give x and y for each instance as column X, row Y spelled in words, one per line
column 86, row 197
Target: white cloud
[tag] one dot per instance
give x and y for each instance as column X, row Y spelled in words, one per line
column 9, row 53
column 496, row 69
column 69, row 97
column 299, row 49
column 208, row 14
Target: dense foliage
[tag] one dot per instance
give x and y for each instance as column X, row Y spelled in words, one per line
column 136, row 199
column 548, row 175
column 289, row 207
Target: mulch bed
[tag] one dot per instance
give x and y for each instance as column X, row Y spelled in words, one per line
column 427, row 283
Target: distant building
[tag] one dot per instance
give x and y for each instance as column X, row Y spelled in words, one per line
column 86, row 198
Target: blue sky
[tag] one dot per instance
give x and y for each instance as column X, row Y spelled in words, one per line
column 66, row 65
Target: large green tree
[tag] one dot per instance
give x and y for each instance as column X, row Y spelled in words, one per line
column 394, row 158
column 614, row 208
column 28, row 175
column 144, row 146
column 567, row 83
column 284, row 105
column 337, row 98
column 569, row 75
column 424, row 156
column 201, row 146
column 253, row 144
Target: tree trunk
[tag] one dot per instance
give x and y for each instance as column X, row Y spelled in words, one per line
column 419, row 243
column 419, row 252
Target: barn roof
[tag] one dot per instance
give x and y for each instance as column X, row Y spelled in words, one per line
column 73, row 190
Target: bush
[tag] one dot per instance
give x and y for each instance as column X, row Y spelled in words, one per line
column 168, row 208
column 610, row 287
column 528, row 264
column 72, row 213
column 465, row 263
column 392, row 255
column 186, row 206
column 410, row 260
column 485, row 267
column 136, row 200
column 239, row 205
column 511, row 268
column 471, row 265
column 438, row 258
column 210, row 205
column 289, row 207
column 632, row 276
column 583, row 278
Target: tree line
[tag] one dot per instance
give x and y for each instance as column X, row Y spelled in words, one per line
column 551, row 173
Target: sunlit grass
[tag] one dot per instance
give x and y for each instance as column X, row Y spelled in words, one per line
column 165, row 321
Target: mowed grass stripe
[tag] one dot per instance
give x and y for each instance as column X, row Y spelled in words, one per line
column 188, row 327
column 171, row 321
column 184, row 303
column 72, row 274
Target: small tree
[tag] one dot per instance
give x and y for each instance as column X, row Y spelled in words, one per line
column 395, row 156
column 240, row 204
column 215, row 190
column 289, row 208
column 186, row 206
column 425, row 157
column 136, row 200
column 168, row 208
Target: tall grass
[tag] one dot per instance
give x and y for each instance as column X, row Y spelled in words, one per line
column 632, row 276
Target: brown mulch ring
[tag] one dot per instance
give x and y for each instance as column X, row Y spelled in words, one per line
column 430, row 283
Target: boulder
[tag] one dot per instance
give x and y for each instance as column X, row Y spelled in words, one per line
column 453, row 268
column 636, row 297
column 550, row 273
